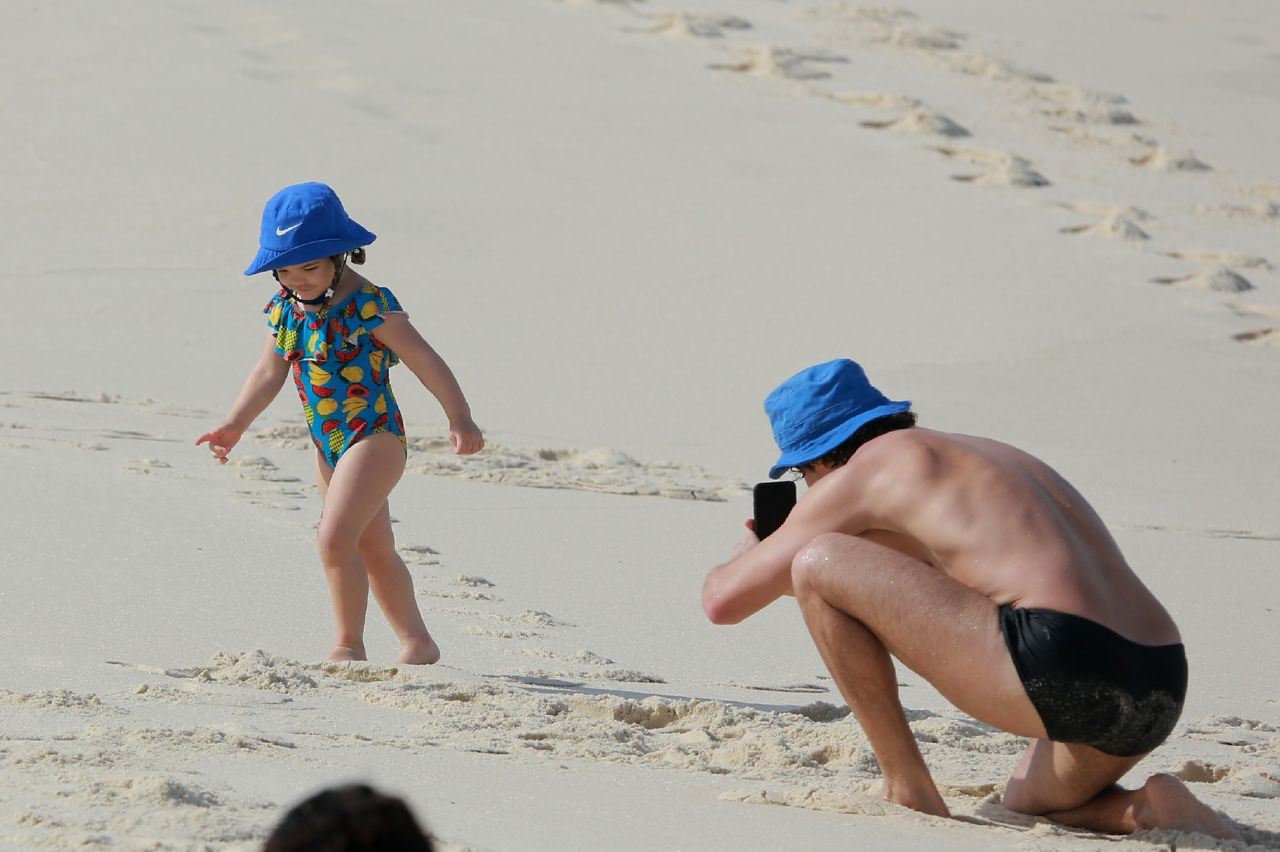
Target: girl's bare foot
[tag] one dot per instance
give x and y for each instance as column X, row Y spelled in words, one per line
column 346, row 654
column 418, row 651
column 1166, row 802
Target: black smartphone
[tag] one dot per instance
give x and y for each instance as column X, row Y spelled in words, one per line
column 773, row 502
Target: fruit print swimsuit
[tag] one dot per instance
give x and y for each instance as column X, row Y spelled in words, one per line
column 344, row 387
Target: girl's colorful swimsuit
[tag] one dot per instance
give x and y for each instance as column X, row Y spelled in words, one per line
column 344, row 387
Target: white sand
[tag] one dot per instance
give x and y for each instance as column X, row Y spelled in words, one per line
column 622, row 223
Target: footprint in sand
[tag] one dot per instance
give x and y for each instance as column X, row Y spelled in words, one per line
column 1211, row 532
column 133, row 435
column 806, row 688
column 1080, row 106
column 472, row 589
column 420, row 554
column 977, row 63
column 473, row 582
column 1259, row 211
column 284, row 437
column 1164, row 160
column 528, row 617
column 465, row 595
column 601, row 470
column 920, row 122
column 902, row 29
column 780, row 62
column 260, row 467
column 255, row 498
column 897, row 27
column 864, row 801
column 1115, row 225
column 583, row 657
column 1242, row 261
column 1269, row 337
column 1264, row 190
column 874, row 99
column 577, row 678
column 1216, row 279
column 490, row 633
column 147, row 467
column 692, row 24
column 81, row 445
column 1201, row 772
column 999, row 168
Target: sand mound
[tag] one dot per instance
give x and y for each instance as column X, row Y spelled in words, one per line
column 1269, row 337
column 1114, row 226
column 1217, row 279
column 1258, row 211
column 1243, row 261
column 780, row 62
column 920, row 122
column 689, row 24
column 871, row 99
column 1164, row 160
column 603, row 470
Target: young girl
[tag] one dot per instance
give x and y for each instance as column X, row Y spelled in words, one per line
column 339, row 335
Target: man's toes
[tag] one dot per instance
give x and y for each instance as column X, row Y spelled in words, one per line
column 1167, row 803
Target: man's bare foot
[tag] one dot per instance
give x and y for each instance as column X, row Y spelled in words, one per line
column 346, row 654
column 1165, row 802
column 418, row 651
column 924, row 799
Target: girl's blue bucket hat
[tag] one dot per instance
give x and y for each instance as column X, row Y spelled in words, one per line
column 305, row 222
column 819, row 408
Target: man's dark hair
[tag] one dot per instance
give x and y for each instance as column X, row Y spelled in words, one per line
column 355, row 818
column 867, row 431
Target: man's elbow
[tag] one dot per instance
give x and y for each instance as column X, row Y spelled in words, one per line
column 717, row 608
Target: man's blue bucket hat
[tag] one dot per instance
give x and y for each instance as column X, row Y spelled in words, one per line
column 819, row 408
column 305, row 222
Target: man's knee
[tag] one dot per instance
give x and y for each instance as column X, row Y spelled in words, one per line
column 817, row 558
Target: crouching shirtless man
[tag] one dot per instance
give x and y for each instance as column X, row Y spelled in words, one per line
column 987, row 574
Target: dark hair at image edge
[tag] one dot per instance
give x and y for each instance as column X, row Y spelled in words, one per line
column 353, row 818
column 866, row 432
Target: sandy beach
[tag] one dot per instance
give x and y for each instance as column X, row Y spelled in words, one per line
column 622, row 223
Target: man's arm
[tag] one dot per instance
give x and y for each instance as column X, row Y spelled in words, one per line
column 760, row 571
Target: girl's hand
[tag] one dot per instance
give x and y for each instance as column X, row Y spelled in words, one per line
column 466, row 437
column 220, row 440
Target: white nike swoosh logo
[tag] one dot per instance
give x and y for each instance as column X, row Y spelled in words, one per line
column 281, row 233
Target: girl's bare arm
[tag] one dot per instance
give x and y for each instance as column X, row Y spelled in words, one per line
column 399, row 334
column 259, row 389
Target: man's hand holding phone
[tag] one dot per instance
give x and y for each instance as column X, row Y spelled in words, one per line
column 773, row 501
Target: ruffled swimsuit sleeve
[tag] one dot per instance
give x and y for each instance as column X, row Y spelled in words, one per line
column 362, row 315
column 286, row 319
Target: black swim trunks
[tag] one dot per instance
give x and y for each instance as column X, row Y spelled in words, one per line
column 1093, row 686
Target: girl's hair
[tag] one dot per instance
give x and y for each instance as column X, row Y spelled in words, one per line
column 356, row 256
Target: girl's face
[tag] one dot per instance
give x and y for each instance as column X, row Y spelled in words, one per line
column 309, row 279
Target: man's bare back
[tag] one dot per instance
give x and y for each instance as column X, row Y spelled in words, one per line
column 981, row 569
column 998, row 520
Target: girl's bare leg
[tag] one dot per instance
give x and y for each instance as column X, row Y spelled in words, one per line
column 354, row 492
column 392, row 587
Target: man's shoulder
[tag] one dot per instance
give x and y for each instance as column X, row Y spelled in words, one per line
column 898, row 449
